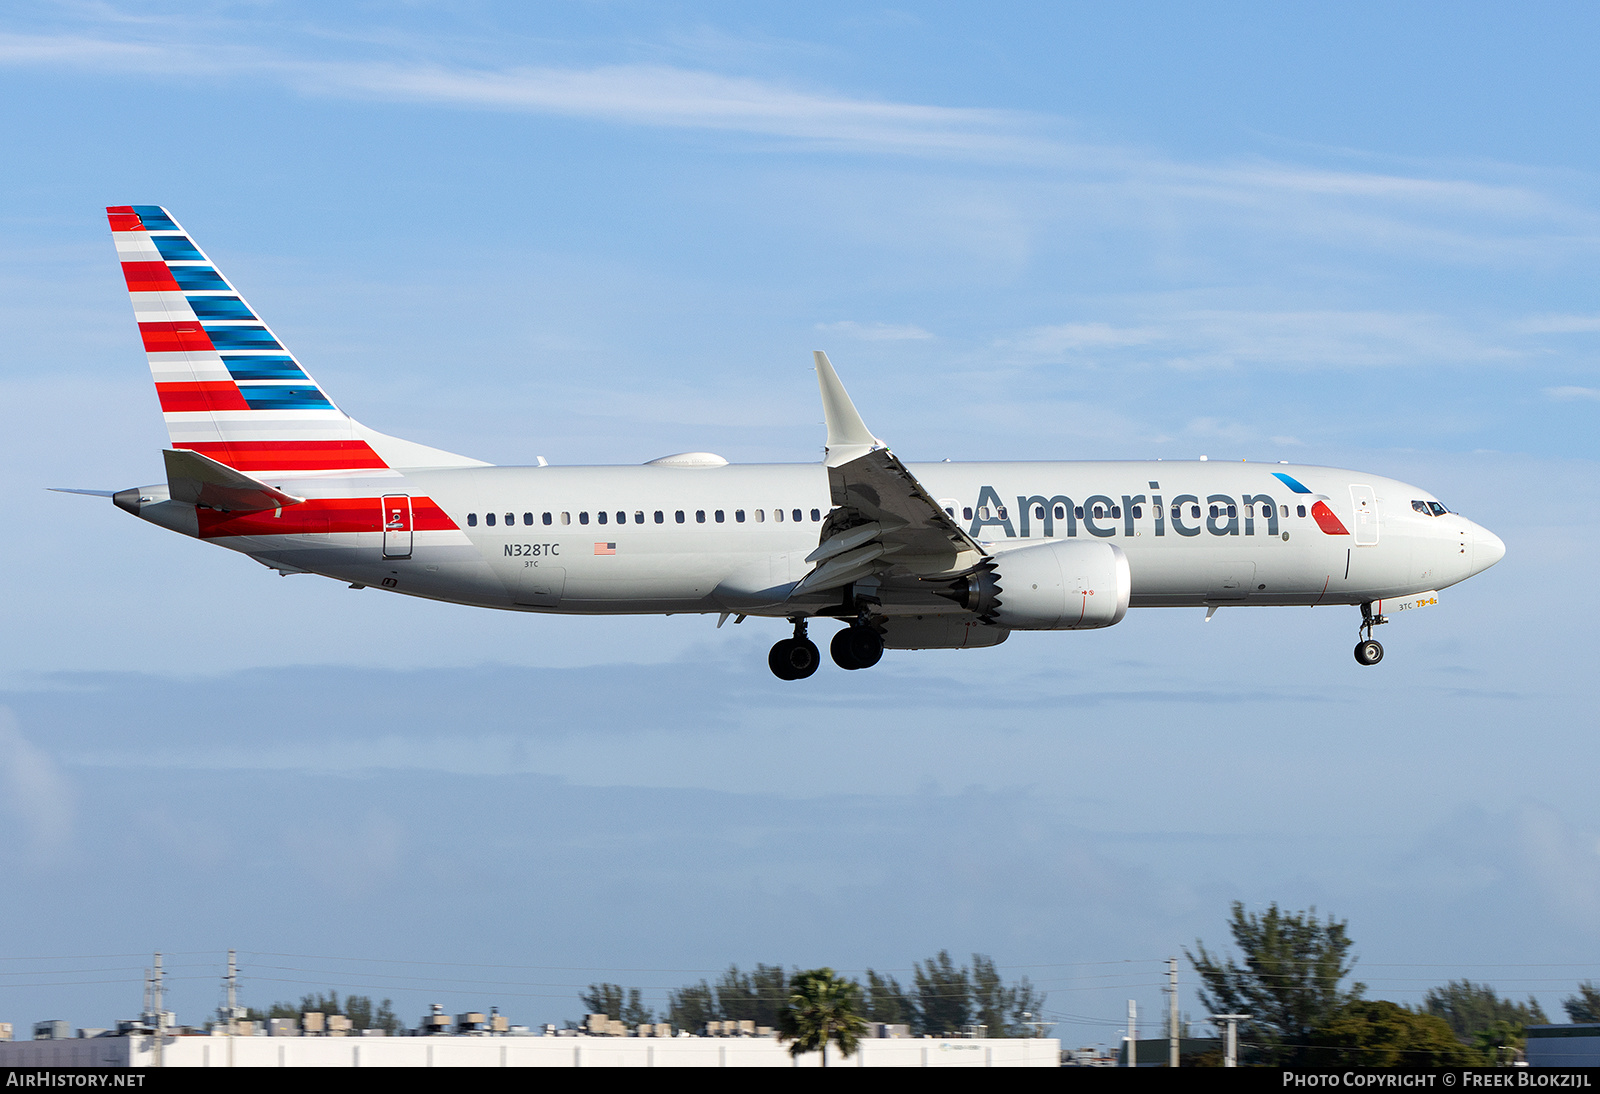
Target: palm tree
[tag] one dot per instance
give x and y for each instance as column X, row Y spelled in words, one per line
column 822, row 1008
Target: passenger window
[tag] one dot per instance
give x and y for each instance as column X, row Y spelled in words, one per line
column 527, row 518
column 1233, row 511
column 661, row 518
column 583, row 518
column 699, row 516
column 1077, row 511
column 1061, row 511
column 797, row 515
column 1299, row 510
column 472, row 520
column 738, row 515
column 1116, row 511
column 511, row 519
column 1136, row 512
column 761, row 516
column 488, row 518
column 1099, row 512
column 638, row 517
column 678, row 516
column 547, row 518
column 1038, row 512
column 600, row 517
column 719, row 516
column 1213, row 511
column 566, row 518
column 622, row 518
column 1000, row 511
column 777, row 515
column 949, row 512
column 1284, row 510
column 816, row 515
column 1155, row 511
column 966, row 512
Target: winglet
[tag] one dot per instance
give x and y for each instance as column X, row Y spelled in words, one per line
column 848, row 436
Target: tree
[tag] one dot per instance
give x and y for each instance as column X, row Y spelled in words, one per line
column 1585, row 1006
column 756, row 997
column 1472, row 1008
column 617, row 1004
column 1003, row 1011
column 1378, row 1033
column 886, row 1001
column 943, row 1002
column 691, row 1006
column 1289, row 982
column 821, row 1008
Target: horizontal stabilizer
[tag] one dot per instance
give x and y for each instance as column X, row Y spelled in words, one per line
column 200, row 480
column 91, row 493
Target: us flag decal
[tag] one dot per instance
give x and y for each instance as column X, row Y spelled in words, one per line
column 605, row 548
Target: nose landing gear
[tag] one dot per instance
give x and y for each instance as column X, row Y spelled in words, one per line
column 794, row 658
column 1368, row 650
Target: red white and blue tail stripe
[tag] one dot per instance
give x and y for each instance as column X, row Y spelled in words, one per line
column 229, row 388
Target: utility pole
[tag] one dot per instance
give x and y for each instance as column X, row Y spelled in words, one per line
column 1133, row 1033
column 233, row 994
column 161, row 1017
column 1172, row 1011
column 1230, row 1039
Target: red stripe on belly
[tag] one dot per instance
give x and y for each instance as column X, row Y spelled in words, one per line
column 320, row 515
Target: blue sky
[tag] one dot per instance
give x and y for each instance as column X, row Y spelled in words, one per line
column 596, row 232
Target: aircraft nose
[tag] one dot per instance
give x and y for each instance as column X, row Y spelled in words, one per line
column 1487, row 549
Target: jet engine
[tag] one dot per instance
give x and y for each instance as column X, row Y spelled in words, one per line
column 1060, row 586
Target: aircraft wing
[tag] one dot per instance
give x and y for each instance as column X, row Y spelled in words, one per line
column 200, row 480
column 883, row 523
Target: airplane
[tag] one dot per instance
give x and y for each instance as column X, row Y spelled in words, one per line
column 905, row 556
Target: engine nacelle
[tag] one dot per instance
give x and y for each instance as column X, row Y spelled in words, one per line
column 1062, row 586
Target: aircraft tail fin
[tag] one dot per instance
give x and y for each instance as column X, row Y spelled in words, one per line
column 229, row 389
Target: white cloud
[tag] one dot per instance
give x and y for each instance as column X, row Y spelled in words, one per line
column 1570, row 393
column 1211, row 339
column 876, row 332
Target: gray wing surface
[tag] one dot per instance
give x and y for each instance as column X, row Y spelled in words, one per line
column 883, row 524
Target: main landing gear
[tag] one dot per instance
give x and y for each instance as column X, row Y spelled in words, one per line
column 858, row 646
column 794, row 658
column 1368, row 650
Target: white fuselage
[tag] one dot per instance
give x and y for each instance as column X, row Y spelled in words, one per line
column 661, row 539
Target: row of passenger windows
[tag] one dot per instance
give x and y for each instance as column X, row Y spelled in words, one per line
column 679, row 516
column 1137, row 512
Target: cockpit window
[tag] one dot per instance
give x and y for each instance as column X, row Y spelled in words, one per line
column 1429, row 508
column 1438, row 510
column 1421, row 507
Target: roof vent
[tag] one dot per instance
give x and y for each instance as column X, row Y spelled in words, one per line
column 690, row 459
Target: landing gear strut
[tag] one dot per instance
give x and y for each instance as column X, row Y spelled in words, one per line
column 1368, row 650
column 794, row 658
